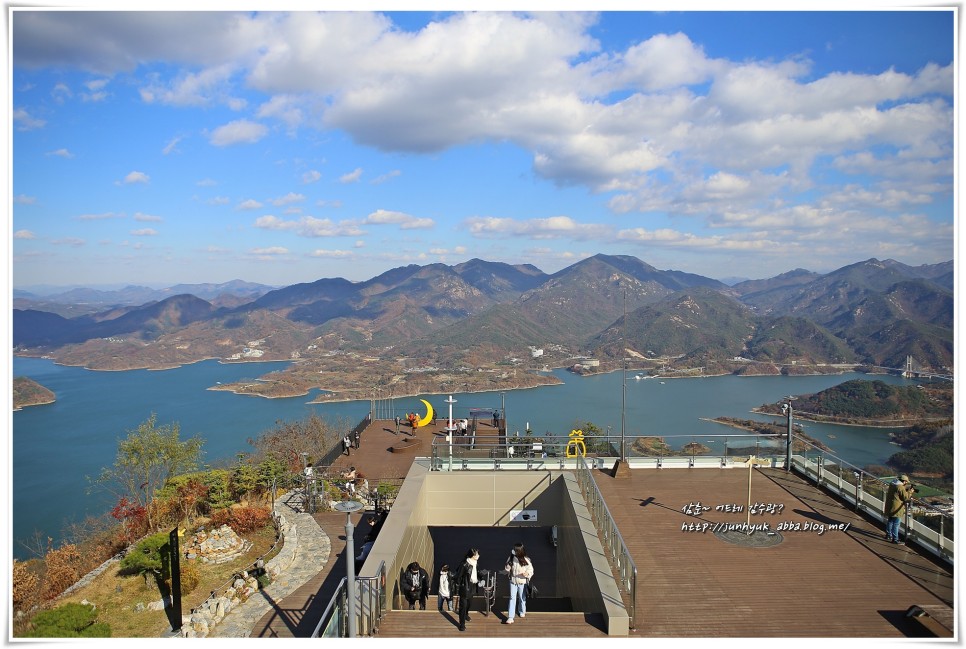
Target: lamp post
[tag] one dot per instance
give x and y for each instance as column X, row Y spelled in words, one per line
column 787, row 410
column 503, row 408
column 623, row 374
column 449, row 429
column 350, row 506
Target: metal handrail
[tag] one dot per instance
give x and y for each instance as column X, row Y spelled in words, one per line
column 552, row 451
column 610, row 535
column 370, row 607
column 334, row 615
column 937, row 542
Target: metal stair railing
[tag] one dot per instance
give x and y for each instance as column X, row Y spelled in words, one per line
column 610, row 536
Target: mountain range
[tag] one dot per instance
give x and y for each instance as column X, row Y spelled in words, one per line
column 872, row 312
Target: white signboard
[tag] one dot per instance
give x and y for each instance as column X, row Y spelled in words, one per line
column 523, row 515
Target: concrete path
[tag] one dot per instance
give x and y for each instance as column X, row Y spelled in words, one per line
column 312, row 552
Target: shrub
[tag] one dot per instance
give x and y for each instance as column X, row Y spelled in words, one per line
column 133, row 516
column 25, row 586
column 190, row 577
column 244, row 481
column 68, row 621
column 242, row 519
column 218, row 482
column 62, row 570
column 249, row 519
column 147, row 556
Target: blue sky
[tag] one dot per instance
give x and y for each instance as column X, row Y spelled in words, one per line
column 278, row 148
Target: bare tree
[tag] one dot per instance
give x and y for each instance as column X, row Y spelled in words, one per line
column 286, row 442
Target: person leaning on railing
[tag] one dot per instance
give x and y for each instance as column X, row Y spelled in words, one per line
column 899, row 493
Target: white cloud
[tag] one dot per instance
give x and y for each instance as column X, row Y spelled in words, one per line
column 311, row 176
column 403, row 220
column 171, row 146
column 239, row 131
column 284, row 108
column 144, row 232
column 386, row 177
column 140, row 216
column 250, row 204
column 554, row 227
column 26, row 122
column 352, row 176
column 288, row 199
column 332, row 254
column 309, row 226
column 61, row 92
column 96, row 88
column 136, row 177
column 24, row 234
column 206, row 182
column 206, row 87
column 219, row 200
column 61, row 153
column 273, row 250
column 23, row 199
column 68, row 241
column 99, row 217
column 659, row 122
column 662, row 62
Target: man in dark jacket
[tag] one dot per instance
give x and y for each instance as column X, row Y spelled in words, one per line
column 464, row 584
column 415, row 586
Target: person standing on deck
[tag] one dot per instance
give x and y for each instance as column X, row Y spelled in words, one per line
column 465, row 583
column 520, row 569
column 445, row 592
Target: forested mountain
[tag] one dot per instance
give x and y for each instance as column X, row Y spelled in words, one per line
column 872, row 312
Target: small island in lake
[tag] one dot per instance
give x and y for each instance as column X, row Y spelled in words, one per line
column 27, row 392
column 872, row 403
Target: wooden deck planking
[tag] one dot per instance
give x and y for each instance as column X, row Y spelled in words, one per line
column 432, row 624
column 692, row 584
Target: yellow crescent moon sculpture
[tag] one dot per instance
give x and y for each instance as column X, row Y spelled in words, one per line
column 429, row 415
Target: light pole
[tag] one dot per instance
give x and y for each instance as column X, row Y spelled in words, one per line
column 621, row 468
column 787, row 410
column 350, row 506
column 449, row 429
column 503, row 408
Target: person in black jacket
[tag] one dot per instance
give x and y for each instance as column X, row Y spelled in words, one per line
column 415, row 586
column 465, row 583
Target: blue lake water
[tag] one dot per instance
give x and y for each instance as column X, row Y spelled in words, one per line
column 57, row 446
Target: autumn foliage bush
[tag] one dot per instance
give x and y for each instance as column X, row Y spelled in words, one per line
column 25, row 586
column 63, row 569
column 242, row 519
column 133, row 517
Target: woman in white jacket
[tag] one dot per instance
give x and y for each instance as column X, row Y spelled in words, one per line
column 520, row 569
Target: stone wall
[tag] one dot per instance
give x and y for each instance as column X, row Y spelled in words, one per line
column 212, row 611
